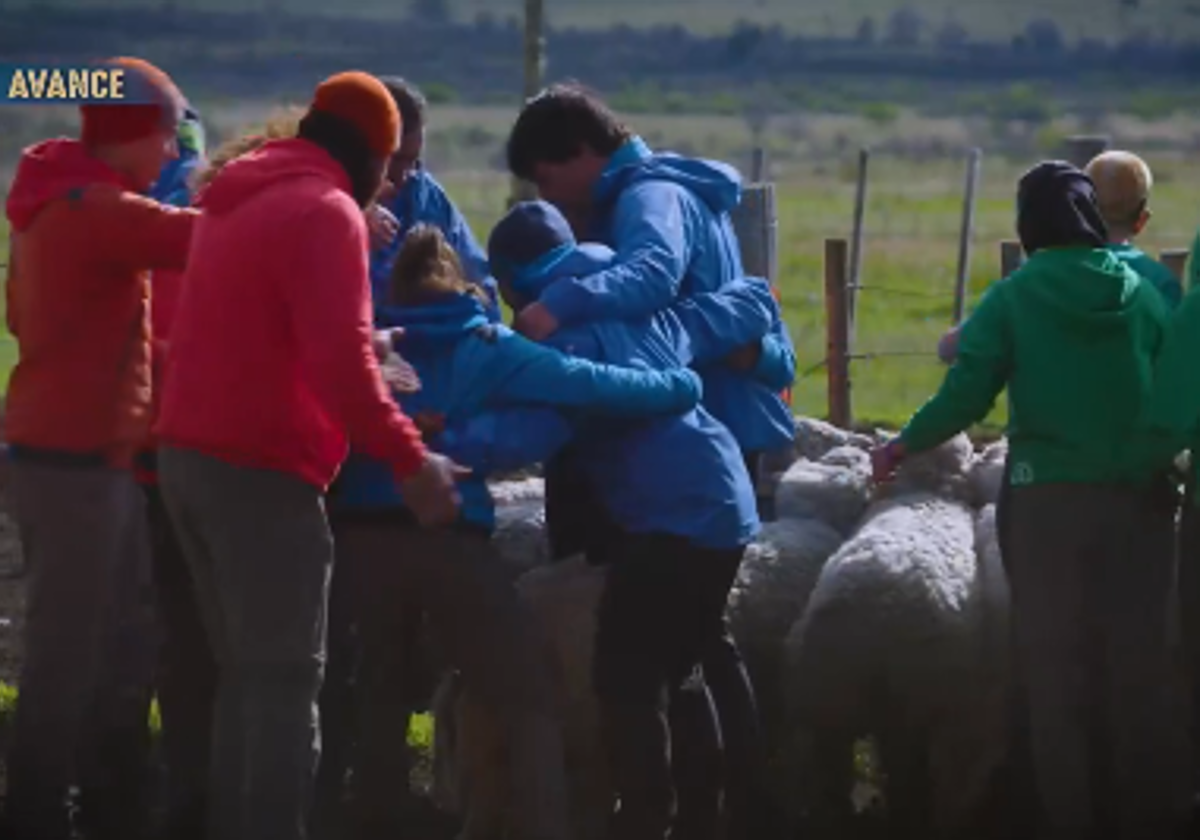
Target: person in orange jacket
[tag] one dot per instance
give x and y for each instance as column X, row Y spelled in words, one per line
column 84, row 239
column 271, row 377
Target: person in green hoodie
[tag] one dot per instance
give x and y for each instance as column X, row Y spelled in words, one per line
column 1123, row 181
column 1073, row 335
column 1169, row 424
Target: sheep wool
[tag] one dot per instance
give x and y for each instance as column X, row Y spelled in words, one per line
column 888, row 640
column 834, row 489
column 471, row 771
column 987, row 473
column 816, row 437
column 772, row 588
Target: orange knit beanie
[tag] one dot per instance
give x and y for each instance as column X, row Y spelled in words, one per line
column 105, row 124
column 363, row 101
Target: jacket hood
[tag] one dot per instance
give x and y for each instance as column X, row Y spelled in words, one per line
column 568, row 260
column 1091, row 289
column 51, row 170
column 272, row 162
column 1056, row 208
column 445, row 320
column 717, row 184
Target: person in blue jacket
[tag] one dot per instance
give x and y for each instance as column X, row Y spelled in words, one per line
column 415, row 197
column 668, row 219
column 470, row 368
column 678, row 510
column 174, row 184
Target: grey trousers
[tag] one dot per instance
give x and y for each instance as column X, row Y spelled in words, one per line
column 261, row 554
column 89, row 648
column 1092, row 575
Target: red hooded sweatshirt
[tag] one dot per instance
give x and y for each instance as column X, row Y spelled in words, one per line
column 270, row 363
column 83, row 243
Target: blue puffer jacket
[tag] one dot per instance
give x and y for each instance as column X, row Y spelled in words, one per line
column 422, row 200
column 667, row 217
column 469, row 366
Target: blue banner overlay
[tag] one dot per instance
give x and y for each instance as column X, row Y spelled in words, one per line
column 73, row 84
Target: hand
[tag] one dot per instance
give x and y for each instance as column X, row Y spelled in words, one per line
column 746, row 357
column 947, row 348
column 430, row 423
column 431, row 493
column 383, row 342
column 400, row 375
column 885, row 460
column 381, row 225
column 535, row 322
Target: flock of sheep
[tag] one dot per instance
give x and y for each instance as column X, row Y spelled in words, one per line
column 862, row 612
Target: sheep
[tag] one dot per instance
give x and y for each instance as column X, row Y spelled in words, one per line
column 892, row 644
column 769, row 594
column 987, row 474
column 816, row 437
column 471, row 755
column 834, row 489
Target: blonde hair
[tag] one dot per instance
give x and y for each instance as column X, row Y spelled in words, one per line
column 428, row 268
column 279, row 125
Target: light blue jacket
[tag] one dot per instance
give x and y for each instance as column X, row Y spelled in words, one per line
column 667, row 218
column 422, row 200
column 469, row 366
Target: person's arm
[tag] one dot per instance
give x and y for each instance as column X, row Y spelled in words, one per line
column 717, row 323
column 776, row 365
column 10, row 308
column 1171, row 415
column 653, row 236
column 329, row 300
column 132, row 230
column 506, row 439
column 976, row 378
column 537, row 375
column 1192, row 272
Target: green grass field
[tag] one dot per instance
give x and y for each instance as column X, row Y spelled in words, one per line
column 986, row 19
column 911, row 243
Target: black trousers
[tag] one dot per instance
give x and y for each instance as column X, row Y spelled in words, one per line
column 661, row 610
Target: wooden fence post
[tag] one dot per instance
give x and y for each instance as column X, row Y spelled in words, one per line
column 758, row 165
column 1176, row 260
column 837, row 329
column 757, row 228
column 854, row 274
column 535, row 71
column 967, row 232
column 1081, row 148
column 1011, row 257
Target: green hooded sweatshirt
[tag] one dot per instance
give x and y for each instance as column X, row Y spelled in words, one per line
column 1073, row 335
column 1170, row 421
column 1159, row 275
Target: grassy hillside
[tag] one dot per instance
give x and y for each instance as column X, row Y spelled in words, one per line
column 990, row 19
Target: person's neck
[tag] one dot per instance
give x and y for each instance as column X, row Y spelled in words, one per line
column 1120, row 238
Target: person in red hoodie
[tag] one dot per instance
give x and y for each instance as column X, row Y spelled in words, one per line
column 83, row 241
column 270, row 375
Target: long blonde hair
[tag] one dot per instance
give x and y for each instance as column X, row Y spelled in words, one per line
column 279, row 125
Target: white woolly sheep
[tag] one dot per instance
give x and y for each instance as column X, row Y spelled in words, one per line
column 890, row 645
column 834, row 490
column 471, row 756
column 816, row 437
column 772, row 588
column 987, row 473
